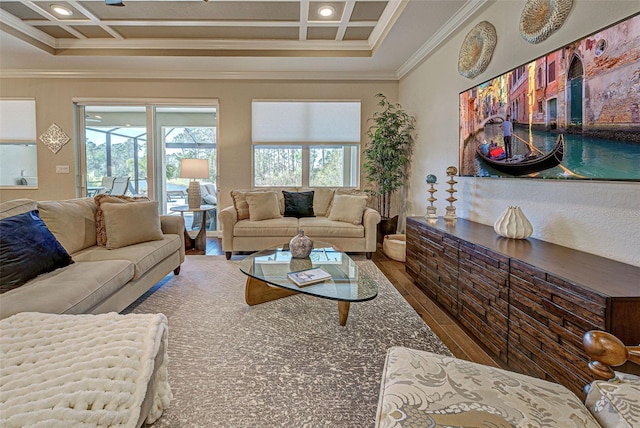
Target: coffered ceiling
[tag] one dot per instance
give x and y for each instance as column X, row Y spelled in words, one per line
column 196, row 27
column 272, row 34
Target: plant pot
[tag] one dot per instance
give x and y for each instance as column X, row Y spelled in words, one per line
column 387, row 226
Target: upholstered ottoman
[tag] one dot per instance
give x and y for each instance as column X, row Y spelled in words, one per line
column 615, row 403
column 83, row 370
column 422, row 389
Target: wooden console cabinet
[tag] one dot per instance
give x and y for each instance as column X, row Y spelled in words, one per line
column 528, row 301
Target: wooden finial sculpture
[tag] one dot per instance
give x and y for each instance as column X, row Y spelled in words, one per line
column 431, row 210
column 451, row 210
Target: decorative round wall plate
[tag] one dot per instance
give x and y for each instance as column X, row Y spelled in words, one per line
column 541, row 18
column 476, row 50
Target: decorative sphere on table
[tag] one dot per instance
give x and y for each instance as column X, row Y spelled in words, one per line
column 300, row 245
column 431, row 179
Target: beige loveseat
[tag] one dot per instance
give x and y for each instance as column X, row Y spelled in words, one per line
column 100, row 280
column 243, row 234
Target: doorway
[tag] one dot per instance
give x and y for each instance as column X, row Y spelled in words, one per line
column 575, row 77
column 136, row 148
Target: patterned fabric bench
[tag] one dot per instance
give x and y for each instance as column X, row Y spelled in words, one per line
column 422, row 389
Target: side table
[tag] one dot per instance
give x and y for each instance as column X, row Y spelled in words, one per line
column 197, row 245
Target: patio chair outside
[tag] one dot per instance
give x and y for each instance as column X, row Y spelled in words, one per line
column 106, row 185
column 120, row 186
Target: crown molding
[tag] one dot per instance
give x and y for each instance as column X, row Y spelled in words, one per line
column 196, row 75
column 455, row 22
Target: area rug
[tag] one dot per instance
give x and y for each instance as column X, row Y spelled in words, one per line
column 285, row 363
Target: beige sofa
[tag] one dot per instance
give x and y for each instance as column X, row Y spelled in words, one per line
column 247, row 235
column 100, row 280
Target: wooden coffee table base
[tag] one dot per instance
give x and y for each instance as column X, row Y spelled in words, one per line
column 343, row 311
column 257, row 292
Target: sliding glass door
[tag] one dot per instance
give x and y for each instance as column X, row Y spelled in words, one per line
column 115, row 145
column 188, row 133
column 136, row 149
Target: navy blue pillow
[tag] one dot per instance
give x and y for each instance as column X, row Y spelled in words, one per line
column 27, row 249
column 298, row 204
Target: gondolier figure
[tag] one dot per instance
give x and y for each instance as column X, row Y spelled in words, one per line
column 508, row 130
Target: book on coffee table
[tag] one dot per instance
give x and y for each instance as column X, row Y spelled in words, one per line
column 309, row 276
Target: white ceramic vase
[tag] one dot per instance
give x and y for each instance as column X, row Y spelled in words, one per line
column 513, row 224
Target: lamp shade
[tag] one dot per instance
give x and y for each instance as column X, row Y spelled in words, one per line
column 194, row 168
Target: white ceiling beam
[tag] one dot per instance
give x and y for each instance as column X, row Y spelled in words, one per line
column 304, row 17
column 29, row 31
column 389, row 16
column 212, row 44
column 52, row 18
column 94, row 19
column 346, row 16
column 138, row 23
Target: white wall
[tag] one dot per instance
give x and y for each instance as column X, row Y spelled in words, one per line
column 597, row 217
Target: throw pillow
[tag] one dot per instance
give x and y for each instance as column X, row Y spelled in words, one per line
column 298, row 204
column 16, row 206
column 72, row 222
column 349, row 192
column 242, row 207
column 262, row 205
column 128, row 224
column 240, row 203
column 27, row 249
column 348, row 208
column 322, row 197
column 101, row 234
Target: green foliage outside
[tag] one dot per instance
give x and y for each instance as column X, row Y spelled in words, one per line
column 327, row 167
column 389, row 151
column 282, row 166
column 123, row 164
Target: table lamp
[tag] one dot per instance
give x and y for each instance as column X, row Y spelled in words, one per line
column 194, row 168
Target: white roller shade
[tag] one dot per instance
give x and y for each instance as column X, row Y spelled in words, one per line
column 305, row 122
column 18, row 120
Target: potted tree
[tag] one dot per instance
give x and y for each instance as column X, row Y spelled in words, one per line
column 387, row 157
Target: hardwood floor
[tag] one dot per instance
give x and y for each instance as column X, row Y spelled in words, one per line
column 461, row 343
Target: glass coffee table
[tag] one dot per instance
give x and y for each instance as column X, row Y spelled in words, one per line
column 267, row 277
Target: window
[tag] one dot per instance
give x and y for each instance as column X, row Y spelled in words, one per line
column 319, row 146
column 539, row 77
column 540, row 110
column 552, row 71
column 601, row 46
column 277, row 166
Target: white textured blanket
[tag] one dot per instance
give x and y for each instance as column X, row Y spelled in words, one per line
column 80, row 370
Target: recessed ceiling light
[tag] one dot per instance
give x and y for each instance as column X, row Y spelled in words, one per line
column 61, row 10
column 326, row 11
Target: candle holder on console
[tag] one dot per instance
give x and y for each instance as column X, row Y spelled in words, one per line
column 431, row 215
column 450, row 214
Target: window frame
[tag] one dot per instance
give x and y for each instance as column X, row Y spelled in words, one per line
column 551, row 71
column 306, row 147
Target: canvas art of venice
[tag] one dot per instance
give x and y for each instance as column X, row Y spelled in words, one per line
column 574, row 113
